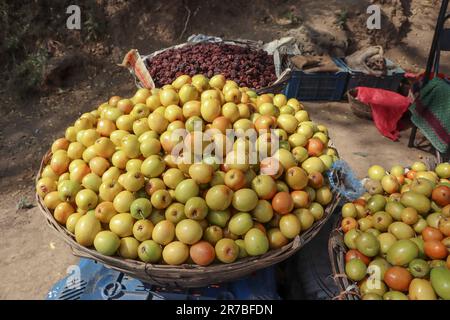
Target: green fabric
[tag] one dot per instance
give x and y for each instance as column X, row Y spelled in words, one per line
column 434, row 122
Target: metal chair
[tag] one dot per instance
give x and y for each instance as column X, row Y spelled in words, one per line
column 441, row 42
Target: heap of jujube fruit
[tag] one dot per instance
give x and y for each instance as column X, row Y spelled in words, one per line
column 115, row 183
column 398, row 234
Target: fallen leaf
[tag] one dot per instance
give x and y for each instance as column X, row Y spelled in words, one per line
column 361, row 154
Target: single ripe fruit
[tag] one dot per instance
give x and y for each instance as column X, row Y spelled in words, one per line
column 283, row 203
column 245, row 200
column 202, row 253
column 227, row 250
column 256, row 242
column 290, row 226
column 188, row 231
column 142, row 229
column 149, row 251
column 355, row 269
column 106, row 242
column 398, row 278
column 175, row 253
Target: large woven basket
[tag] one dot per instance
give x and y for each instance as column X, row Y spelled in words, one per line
column 186, row 275
column 282, row 70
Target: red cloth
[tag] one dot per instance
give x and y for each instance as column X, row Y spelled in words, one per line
column 387, row 109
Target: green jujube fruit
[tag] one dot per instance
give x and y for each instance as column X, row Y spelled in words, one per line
column 440, row 281
column 395, row 295
column 402, row 252
column 401, row 230
column 417, row 201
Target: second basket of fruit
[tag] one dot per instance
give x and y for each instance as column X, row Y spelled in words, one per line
column 393, row 243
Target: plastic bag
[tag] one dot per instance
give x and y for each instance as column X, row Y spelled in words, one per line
column 387, row 109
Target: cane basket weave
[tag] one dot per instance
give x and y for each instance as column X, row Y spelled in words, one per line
column 186, row 275
column 359, row 108
column 337, row 250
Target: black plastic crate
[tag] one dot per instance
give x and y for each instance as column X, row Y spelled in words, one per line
column 318, row 86
column 391, row 81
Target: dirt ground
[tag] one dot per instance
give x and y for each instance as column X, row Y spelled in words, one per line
column 33, row 257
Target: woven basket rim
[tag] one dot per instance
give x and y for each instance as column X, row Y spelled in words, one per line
column 183, row 275
column 336, row 249
column 359, row 108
